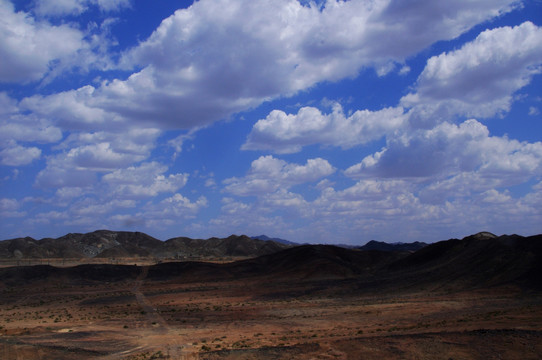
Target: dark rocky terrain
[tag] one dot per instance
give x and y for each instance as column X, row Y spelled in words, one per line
column 384, row 246
column 479, row 260
column 279, row 240
column 124, row 244
column 475, row 298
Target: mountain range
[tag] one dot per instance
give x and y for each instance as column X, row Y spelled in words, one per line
column 479, row 260
column 123, row 244
column 399, row 246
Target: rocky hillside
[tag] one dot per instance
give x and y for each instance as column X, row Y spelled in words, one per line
column 115, row 244
column 479, row 261
column 384, row 246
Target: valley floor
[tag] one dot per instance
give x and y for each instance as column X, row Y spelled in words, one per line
column 264, row 318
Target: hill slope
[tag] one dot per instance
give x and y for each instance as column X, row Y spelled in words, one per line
column 383, row 246
column 111, row 244
column 477, row 260
column 474, row 262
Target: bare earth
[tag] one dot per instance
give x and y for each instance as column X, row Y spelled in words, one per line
column 264, row 318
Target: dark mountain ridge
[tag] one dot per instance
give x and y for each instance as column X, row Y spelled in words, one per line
column 113, row 244
column 476, row 261
column 278, row 240
column 384, row 246
column 482, row 258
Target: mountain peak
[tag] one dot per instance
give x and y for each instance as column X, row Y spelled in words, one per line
column 482, row 235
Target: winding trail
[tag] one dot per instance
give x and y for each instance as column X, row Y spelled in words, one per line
column 152, row 315
column 157, row 327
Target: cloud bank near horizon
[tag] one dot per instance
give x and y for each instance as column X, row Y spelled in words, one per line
column 108, row 133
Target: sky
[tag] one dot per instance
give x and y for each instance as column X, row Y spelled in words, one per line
column 313, row 121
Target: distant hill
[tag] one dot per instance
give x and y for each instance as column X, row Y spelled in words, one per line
column 383, row 246
column 278, row 240
column 478, row 261
column 483, row 259
column 113, row 244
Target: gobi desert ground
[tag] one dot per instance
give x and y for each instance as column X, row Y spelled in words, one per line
column 476, row 298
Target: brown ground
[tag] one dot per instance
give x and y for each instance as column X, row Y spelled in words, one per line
column 263, row 318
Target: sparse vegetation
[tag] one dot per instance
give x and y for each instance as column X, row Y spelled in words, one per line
column 291, row 314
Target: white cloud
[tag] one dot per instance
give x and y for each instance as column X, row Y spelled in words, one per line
column 8, row 204
column 35, row 130
column 268, row 174
column 49, row 217
column 286, row 133
column 28, row 128
column 495, row 197
column 71, row 109
column 85, row 154
column 171, row 211
column 450, row 149
column 137, row 141
column 101, row 156
column 9, row 208
column 63, row 195
column 144, row 181
column 390, row 209
column 55, row 175
column 248, row 218
column 14, row 154
column 7, row 104
column 91, row 208
column 480, row 78
column 370, row 199
column 76, row 7
column 210, row 183
column 29, row 47
column 202, row 64
column 60, row 7
column 383, row 209
column 112, row 5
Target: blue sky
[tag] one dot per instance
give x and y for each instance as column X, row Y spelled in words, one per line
column 326, row 122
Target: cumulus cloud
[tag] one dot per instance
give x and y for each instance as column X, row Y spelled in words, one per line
column 202, row 64
column 138, row 141
column 240, row 217
column 386, row 209
column 29, row 129
column 76, row 7
column 171, row 211
column 450, row 149
column 100, row 156
column 14, row 154
column 86, row 212
column 146, row 180
column 9, row 208
column 29, row 47
column 71, row 109
column 372, row 199
column 15, row 126
column 287, row 133
column 7, row 104
column 393, row 209
column 8, row 204
column 55, row 175
column 85, row 154
column 268, row 174
column 480, row 78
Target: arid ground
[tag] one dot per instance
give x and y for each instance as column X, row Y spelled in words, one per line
column 136, row 316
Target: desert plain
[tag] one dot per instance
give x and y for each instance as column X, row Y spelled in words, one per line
column 307, row 303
